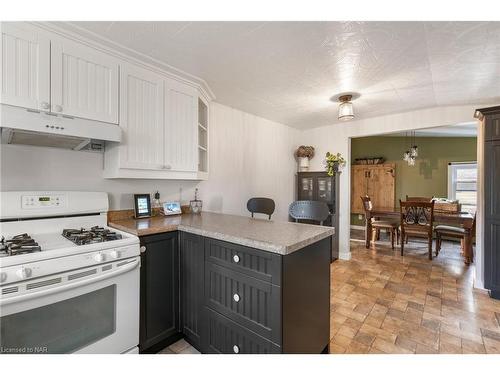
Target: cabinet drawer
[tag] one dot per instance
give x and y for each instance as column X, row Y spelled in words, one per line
column 256, row 263
column 253, row 303
column 225, row 336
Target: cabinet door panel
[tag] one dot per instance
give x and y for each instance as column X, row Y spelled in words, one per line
column 492, row 128
column 253, row 303
column 141, row 118
column 25, row 67
column 181, row 125
column 381, row 186
column 492, row 180
column 358, row 189
column 84, row 82
column 159, row 289
column 306, row 188
column 224, row 336
column 192, row 262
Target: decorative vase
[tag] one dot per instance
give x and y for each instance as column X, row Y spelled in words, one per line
column 303, row 164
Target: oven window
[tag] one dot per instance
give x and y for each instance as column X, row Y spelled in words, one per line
column 62, row 327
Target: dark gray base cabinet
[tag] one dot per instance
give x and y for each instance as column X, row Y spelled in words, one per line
column 192, row 268
column 261, row 302
column 159, row 307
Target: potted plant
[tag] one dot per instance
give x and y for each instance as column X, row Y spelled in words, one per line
column 333, row 162
column 303, row 155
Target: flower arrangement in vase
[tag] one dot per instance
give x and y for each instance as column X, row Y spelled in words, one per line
column 333, row 162
column 303, row 155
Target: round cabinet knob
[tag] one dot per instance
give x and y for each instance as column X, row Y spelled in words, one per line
column 143, row 249
column 115, row 254
column 236, row 349
column 44, row 105
column 99, row 257
column 168, row 166
column 236, row 258
column 24, row 273
column 236, row 297
column 57, row 108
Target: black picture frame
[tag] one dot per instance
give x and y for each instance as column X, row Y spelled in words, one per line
column 141, row 211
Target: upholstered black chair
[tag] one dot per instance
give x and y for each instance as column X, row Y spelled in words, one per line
column 309, row 210
column 261, row 206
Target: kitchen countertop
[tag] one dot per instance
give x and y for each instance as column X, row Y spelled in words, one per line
column 275, row 236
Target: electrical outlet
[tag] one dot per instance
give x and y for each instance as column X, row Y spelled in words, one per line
column 360, row 217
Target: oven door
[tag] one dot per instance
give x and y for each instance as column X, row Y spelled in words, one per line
column 90, row 310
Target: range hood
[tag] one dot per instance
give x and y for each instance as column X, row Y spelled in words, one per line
column 37, row 128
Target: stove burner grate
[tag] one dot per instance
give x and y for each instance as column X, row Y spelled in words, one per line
column 95, row 234
column 19, row 244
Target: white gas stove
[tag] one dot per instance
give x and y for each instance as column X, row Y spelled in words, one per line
column 68, row 282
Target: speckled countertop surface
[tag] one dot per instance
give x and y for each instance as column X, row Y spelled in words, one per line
column 275, row 236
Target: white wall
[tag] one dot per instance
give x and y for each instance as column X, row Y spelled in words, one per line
column 337, row 138
column 249, row 156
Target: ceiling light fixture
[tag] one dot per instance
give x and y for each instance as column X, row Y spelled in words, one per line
column 346, row 110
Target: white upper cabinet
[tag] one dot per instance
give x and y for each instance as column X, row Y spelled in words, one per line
column 25, row 67
column 181, row 109
column 84, row 82
column 142, row 119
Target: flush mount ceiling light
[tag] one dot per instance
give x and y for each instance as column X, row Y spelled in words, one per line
column 346, row 110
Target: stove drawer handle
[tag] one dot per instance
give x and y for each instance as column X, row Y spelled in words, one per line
column 123, row 269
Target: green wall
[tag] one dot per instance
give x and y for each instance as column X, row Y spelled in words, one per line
column 429, row 176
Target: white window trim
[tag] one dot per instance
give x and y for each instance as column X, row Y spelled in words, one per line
column 451, row 181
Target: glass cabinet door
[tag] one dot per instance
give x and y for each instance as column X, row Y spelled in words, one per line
column 306, row 189
column 324, row 189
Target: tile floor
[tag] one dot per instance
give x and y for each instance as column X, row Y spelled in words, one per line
column 384, row 303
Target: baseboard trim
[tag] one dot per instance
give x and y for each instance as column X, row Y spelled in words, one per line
column 345, row 256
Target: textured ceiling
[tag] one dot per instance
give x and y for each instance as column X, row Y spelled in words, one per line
column 287, row 71
column 459, row 130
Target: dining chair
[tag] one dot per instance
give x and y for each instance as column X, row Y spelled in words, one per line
column 455, row 232
column 261, row 206
column 417, row 220
column 378, row 225
column 419, row 199
column 309, row 210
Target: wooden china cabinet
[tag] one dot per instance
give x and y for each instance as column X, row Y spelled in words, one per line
column 318, row 186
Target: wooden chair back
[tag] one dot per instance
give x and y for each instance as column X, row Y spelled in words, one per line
column 419, row 199
column 367, row 203
column 261, row 205
column 417, row 216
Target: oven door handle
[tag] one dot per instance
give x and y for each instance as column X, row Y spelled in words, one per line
column 103, row 276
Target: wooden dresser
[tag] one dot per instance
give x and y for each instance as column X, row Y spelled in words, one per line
column 377, row 181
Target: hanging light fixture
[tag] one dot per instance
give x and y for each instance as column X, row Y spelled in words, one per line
column 346, row 111
column 410, row 155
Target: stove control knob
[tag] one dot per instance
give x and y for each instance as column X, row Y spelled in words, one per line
column 24, row 273
column 115, row 254
column 99, row 257
column 3, row 277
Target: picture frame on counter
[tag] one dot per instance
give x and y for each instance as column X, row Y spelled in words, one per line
column 142, row 205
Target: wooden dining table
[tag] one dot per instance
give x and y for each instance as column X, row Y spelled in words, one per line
column 462, row 219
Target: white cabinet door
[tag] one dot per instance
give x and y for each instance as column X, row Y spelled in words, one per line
column 25, row 67
column 84, row 82
column 181, row 136
column 141, row 118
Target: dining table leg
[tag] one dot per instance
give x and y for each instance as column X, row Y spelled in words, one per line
column 468, row 247
column 368, row 232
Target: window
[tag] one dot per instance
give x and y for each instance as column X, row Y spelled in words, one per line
column 462, row 184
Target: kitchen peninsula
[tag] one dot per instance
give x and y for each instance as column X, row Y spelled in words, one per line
column 232, row 284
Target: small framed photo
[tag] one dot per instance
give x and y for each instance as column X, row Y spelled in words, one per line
column 142, row 205
column 172, row 208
